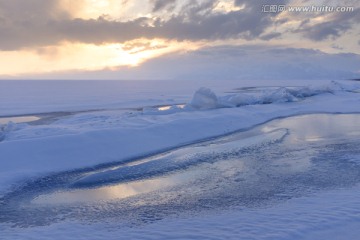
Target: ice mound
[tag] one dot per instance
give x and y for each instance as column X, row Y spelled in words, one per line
column 204, row 98
column 278, row 96
column 237, row 100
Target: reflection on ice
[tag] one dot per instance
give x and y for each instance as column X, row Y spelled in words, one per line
column 222, row 157
column 249, row 168
column 164, row 108
column 180, row 159
column 224, row 154
column 316, row 127
column 115, row 192
column 103, row 193
column 23, row 119
column 168, row 107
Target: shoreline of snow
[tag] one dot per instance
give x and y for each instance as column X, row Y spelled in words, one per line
column 92, row 138
column 32, row 96
column 89, row 139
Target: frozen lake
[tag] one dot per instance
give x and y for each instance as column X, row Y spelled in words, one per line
column 161, row 160
column 280, row 160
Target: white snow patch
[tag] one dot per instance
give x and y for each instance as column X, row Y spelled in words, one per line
column 205, row 98
column 87, row 139
column 83, row 140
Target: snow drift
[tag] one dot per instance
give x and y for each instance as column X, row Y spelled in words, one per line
column 205, row 99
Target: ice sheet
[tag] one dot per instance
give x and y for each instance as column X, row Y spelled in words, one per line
column 129, row 124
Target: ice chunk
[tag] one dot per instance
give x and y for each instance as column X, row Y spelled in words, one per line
column 277, row 96
column 237, row 100
column 2, row 133
column 204, row 98
column 6, row 128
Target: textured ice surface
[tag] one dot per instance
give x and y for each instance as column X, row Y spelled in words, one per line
column 180, row 159
column 161, row 182
column 204, row 98
column 253, row 184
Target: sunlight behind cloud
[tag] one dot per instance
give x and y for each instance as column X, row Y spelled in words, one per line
column 227, row 6
column 78, row 56
column 115, row 9
column 57, row 36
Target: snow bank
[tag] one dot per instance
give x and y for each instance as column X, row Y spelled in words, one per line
column 283, row 94
column 88, row 139
column 205, row 99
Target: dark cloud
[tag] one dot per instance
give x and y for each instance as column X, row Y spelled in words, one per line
column 30, row 11
column 28, row 23
column 163, row 4
column 337, row 24
column 270, row 36
column 260, row 3
column 325, row 30
column 36, row 24
column 337, row 47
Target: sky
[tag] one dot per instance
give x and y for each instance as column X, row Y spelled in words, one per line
column 178, row 39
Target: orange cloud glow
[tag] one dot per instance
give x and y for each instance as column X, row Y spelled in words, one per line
column 79, row 56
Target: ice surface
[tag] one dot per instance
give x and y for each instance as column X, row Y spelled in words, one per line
column 97, row 137
column 6, row 129
column 248, row 185
column 328, row 215
column 179, row 160
column 273, row 190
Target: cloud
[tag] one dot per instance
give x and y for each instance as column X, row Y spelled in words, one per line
column 142, row 45
column 270, row 36
column 31, row 11
column 229, row 62
column 163, row 4
column 256, row 62
column 335, row 46
column 325, row 30
column 334, row 25
column 28, row 21
column 40, row 26
column 35, row 23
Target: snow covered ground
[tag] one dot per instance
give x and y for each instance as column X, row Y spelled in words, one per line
column 133, row 148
